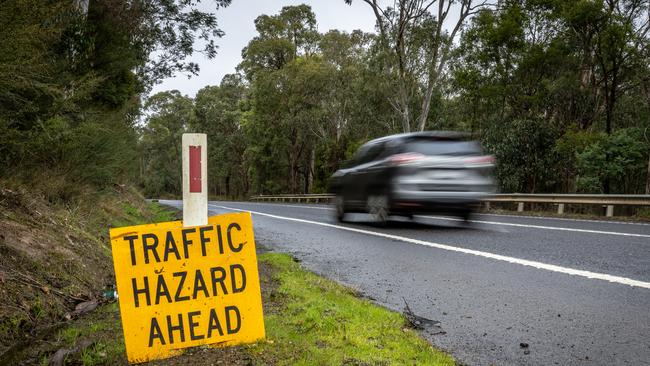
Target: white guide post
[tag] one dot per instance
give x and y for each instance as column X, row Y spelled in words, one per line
column 520, row 207
column 195, row 179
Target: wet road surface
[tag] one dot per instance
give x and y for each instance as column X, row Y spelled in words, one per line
column 576, row 292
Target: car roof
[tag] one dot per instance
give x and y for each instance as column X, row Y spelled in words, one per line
column 434, row 135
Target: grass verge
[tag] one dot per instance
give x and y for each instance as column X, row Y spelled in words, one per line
column 309, row 321
column 315, row 321
column 53, row 256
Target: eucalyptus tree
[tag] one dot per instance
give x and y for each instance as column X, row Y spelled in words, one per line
column 170, row 114
column 219, row 112
column 417, row 37
column 557, row 70
column 286, row 78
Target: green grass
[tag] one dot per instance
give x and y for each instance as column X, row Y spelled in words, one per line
column 103, row 325
column 321, row 322
column 103, row 328
column 154, row 212
column 160, row 213
column 309, row 320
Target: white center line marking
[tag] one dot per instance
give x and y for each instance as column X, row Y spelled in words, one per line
column 485, row 214
column 567, row 219
column 523, row 262
column 542, row 227
column 283, row 205
column 492, row 223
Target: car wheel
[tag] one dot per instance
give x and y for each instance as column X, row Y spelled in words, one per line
column 378, row 208
column 339, row 208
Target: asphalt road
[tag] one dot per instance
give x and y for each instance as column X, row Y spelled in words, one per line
column 576, row 292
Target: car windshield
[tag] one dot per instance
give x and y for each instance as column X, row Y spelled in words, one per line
column 437, row 147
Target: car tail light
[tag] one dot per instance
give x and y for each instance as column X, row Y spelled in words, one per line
column 480, row 160
column 405, row 158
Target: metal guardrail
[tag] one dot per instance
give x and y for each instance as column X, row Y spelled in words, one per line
column 607, row 200
column 596, row 199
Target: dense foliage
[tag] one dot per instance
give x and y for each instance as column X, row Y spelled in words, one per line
column 71, row 77
column 558, row 91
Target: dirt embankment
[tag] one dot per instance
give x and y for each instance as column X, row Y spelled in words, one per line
column 55, row 259
column 54, row 256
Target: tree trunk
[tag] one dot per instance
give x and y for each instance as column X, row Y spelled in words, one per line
column 310, row 171
column 426, row 106
column 293, row 175
column 647, row 180
column 610, row 101
column 404, row 109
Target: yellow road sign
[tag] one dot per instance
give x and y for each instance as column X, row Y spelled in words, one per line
column 182, row 287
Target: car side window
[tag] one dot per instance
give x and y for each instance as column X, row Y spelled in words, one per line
column 366, row 154
column 389, row 148
column 373, row 152
column 358, row 157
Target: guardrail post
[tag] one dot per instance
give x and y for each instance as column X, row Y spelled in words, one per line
column 520, row 207
column 560, row 208
column 487, row 205
column 610, row 211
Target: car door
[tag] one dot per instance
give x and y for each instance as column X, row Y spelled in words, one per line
column 349, row 178
column 368, row 173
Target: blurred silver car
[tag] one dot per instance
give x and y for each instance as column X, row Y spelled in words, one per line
column 414, row 173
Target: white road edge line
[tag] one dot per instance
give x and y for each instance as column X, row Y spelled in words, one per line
column 494, row 223
column 283, row 205
column 523, row 262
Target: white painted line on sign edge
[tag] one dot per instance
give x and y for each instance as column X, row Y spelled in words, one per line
column 503, row 258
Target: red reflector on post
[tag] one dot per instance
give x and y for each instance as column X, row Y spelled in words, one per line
column 195, row 169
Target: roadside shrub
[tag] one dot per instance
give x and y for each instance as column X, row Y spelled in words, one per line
column 621, row 158
column 525, row 155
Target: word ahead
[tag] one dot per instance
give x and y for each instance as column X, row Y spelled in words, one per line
column 183, row 287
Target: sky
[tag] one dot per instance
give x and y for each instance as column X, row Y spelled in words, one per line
column 236, row 21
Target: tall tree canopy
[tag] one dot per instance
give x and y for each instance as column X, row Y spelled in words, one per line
column 72, row 74
column 557, row 90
